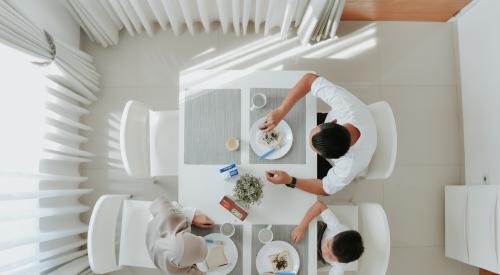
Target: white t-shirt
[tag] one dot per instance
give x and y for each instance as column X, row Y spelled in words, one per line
column 333, row 227
column 347, row 108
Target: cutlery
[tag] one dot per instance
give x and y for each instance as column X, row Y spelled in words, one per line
column 210, row 241
column 266, row 154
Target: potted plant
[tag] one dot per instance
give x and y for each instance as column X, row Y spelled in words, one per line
column 248, row 190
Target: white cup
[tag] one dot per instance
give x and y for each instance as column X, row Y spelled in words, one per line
column 227, row 229
column 258, row 101
column 232, row 144
column 266, row 235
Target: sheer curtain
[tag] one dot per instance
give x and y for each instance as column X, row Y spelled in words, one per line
column 46, row 86
column 103, row 19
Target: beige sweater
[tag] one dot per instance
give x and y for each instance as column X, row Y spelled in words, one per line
column 168, row 218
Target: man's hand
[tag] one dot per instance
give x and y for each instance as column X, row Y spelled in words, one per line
column 272, row 119
column 202, row 221
column 278, row 177
column 298, row 233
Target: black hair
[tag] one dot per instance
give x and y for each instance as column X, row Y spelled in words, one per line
column 348, row 246
column 332, row 141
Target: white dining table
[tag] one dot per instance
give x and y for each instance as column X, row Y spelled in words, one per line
column 201, row 186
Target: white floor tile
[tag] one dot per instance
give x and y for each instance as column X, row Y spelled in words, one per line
column 427, row 119
column 421, row 260
column 353, row 58
column 414, row 203
column 416, row 53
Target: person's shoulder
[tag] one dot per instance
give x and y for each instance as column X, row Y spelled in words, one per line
column 336, row 269
column 321, row 82
column 345, row 162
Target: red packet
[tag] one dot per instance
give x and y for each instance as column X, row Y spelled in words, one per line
column 234, row 208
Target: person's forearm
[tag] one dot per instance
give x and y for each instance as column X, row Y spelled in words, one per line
column 314, row 186
column 298, row 92
column 312, row 213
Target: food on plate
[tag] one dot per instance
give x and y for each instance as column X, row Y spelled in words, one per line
column 272, row 138
column 281, row 262
column 216, row 257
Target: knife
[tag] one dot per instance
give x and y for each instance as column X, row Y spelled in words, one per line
column 266, row 154
column 209, row 241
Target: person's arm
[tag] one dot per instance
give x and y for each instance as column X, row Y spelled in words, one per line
column 297, row 93
column 312, row 213
column 314, row 186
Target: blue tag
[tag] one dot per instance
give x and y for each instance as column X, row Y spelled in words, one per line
column 227, row 168
column 233, row 172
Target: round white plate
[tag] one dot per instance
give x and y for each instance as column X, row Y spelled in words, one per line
column 262, row 261
column 229, row 249
column 261, row 149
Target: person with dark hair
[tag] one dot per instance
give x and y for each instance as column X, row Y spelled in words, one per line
column 345, row 138
column 337, row 244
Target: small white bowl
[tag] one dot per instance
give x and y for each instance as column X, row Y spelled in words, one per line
column 232, row 144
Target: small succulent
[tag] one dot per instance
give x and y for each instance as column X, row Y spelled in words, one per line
column 248, row 190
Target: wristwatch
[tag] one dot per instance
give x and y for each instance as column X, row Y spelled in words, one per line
column 293, row 183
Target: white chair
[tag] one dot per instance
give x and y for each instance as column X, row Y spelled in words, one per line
column 384, row 158
column 374, row 228
column 371, row 222
column 148, row 141
column 114, row 214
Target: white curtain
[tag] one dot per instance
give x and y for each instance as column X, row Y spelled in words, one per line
column 103, row 19
column 42, row 101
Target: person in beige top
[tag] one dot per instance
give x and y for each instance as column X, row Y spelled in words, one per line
column 170, row 243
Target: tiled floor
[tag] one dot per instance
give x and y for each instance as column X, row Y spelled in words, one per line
column 409, row 65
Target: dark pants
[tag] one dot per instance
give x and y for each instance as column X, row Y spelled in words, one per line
column 322, row 165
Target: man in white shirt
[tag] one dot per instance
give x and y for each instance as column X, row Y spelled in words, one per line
column 337, row 245
column 347, row 139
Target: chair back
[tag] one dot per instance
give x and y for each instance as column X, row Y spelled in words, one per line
column 102, row 239
column 384, row 157
column 374, row 227
column 134, row 139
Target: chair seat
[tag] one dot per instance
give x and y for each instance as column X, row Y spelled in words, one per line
column 163, row 143
column 135, row 219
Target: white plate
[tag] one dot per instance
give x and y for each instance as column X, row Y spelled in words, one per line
column 262, row 261
column 229, row 249
column 260, row 149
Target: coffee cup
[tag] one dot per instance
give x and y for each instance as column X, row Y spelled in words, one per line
column 227, row 229
column 265, row 235
column 258, row 101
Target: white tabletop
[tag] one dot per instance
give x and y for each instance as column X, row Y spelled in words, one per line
column 202, row 187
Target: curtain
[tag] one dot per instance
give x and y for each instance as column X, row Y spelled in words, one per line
column 103, row 19
column 46, row 86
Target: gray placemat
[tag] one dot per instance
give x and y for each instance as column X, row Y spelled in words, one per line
column 296, row 118
column 237, row 238
column 210, row 118
column 281, row 233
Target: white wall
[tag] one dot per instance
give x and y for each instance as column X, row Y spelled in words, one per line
column 52, row 16
column 478, row 30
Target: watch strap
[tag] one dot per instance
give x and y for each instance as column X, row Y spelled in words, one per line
column 293, row 183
